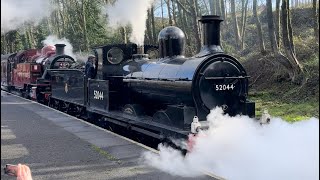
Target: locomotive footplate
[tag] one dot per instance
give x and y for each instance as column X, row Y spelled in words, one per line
column 143, row 125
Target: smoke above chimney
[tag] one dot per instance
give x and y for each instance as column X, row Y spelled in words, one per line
column 16, row 13
column 132, row 12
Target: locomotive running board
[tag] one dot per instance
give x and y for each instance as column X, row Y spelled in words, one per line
column 143, row 125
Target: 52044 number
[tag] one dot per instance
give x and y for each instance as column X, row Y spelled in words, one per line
column 224, row 87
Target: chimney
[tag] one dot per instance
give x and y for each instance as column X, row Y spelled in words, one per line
column 140, row 49
column 210, row 35
column 60, row 49
column 140, row 53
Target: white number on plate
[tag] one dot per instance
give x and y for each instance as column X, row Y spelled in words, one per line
column 224, row 87
column 97, row 94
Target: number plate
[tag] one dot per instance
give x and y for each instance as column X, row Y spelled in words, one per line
column 224, row 87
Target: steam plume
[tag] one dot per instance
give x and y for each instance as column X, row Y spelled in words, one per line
column 14, row 13
column 130, row 11
column 52, row 40
column 238, row 148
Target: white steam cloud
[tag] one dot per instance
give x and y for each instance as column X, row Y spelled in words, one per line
column 52, row 40
column 14, row 13
column 239, row 148
column 133, row 12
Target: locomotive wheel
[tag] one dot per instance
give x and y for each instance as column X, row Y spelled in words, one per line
column 24, row 94
column 133, row 109
column 162, row 118
column 66, row 107
column 50, row 103
column 57, row 105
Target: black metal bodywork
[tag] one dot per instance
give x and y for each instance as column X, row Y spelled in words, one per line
column 161, row 96
column 98, row 95
column 68, row 85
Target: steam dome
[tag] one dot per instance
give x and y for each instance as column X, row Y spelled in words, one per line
column 47, row 49
column 171, row 42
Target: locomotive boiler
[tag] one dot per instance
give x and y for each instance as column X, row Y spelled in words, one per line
column 209, row 79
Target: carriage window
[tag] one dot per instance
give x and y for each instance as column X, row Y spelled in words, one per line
column 115, row 55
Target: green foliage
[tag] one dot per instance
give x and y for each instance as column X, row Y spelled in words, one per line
column 289, row 111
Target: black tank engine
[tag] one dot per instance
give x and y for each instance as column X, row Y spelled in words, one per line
column 158, row 93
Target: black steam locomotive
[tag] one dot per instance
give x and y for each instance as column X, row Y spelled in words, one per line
column 158, row 97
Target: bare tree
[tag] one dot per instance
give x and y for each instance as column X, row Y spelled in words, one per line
column 244, row 21
column 315, row 20
column 174, row 15
column 84, row 25
column 235, row 24
column 258, row 24
column 278, row 22
column 168, row 2
column 148, row 36
column 223, row 9
column 218, row 7
column 274, row 46
column 288, row 48
column 194, row 11
column 212, row 6
column 154, row 36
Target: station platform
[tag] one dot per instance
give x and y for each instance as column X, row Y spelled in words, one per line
column 56, row 145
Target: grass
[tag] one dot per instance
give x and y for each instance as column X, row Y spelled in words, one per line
column 290, row 111
column 105, row 154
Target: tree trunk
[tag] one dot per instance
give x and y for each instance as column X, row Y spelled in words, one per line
column 290, row 29
column 274, row 46
column 4, row 47
column 169, row 13
column 218, row 7
column 315, row 20
column 31, row 37
column 84, row 23
column 278, row 22
column 194, row 11
column 296, row 66
column 244, row 22
column 162, row 14
column 258, row 24
column 124, row 35
column 174, row 15
column 223, row 9
column 235, row 24
column 148, row 34
column 154, row 34
column 183, row 20
column 212, row 7
column 62, row 19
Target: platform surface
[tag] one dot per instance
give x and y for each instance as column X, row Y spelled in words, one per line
column 57, row 146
